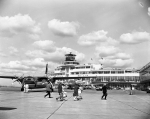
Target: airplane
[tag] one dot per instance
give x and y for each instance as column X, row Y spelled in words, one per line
column 34, row 82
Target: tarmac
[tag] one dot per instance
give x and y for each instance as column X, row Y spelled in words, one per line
column 15, row 104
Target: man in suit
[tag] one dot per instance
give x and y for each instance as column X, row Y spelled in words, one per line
column 60, row 92
column 75, row 93
column 48, row 90
column 131, row 90
column 104, row 89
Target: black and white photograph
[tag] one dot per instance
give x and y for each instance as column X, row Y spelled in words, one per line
column 74, row 59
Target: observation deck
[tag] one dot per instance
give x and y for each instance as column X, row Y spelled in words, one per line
column 70, row 60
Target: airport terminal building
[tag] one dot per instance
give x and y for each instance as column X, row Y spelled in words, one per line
column 94, row 73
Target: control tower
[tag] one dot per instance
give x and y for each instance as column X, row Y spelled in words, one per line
column 70, row 59
column 69, row 63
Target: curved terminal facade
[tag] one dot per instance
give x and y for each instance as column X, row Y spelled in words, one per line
column 95, row 73
column 145, row 77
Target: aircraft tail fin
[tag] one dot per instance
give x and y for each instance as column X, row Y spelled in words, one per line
column 46, row 70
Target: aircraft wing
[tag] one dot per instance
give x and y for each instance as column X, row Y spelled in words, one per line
column 21, row 79
column 17, row 79
column 9, row 77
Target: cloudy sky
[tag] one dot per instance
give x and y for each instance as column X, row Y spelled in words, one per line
column 35, row 32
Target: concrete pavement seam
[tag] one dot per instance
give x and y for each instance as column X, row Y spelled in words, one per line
column 58, row 107
column 142, row 99
column 131, row 106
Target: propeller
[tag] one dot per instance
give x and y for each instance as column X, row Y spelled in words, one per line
column 19, row 79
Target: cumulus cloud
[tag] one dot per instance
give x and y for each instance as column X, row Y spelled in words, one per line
column 14, row 25
column 123, row 63
column 63, row 28
column 110, row 42
column 3, row 55
column 92, row 38
column 45, row 45
column 116, row 63
column 96, row 37
column 107, row 62
column 14, row 65
column 27, row 67
column 120, row 55
column 104, row 51
column 135, row 37
column 37, row 62
column 149, row 11
column 13, row 50
column 58, row 56
column 35, row 54
column 111, row 56
column 123, row 56
column 34, row 36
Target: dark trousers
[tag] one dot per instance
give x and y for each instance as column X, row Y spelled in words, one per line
column 104, row 95
column 48, row 93
column 60, row 96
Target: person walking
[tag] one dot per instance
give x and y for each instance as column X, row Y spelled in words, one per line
column 48, row 90
column 80, row 92
column 26, row 88
column 60, row 89
column 75, row 93
column 131, row 90
column 104, row 89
